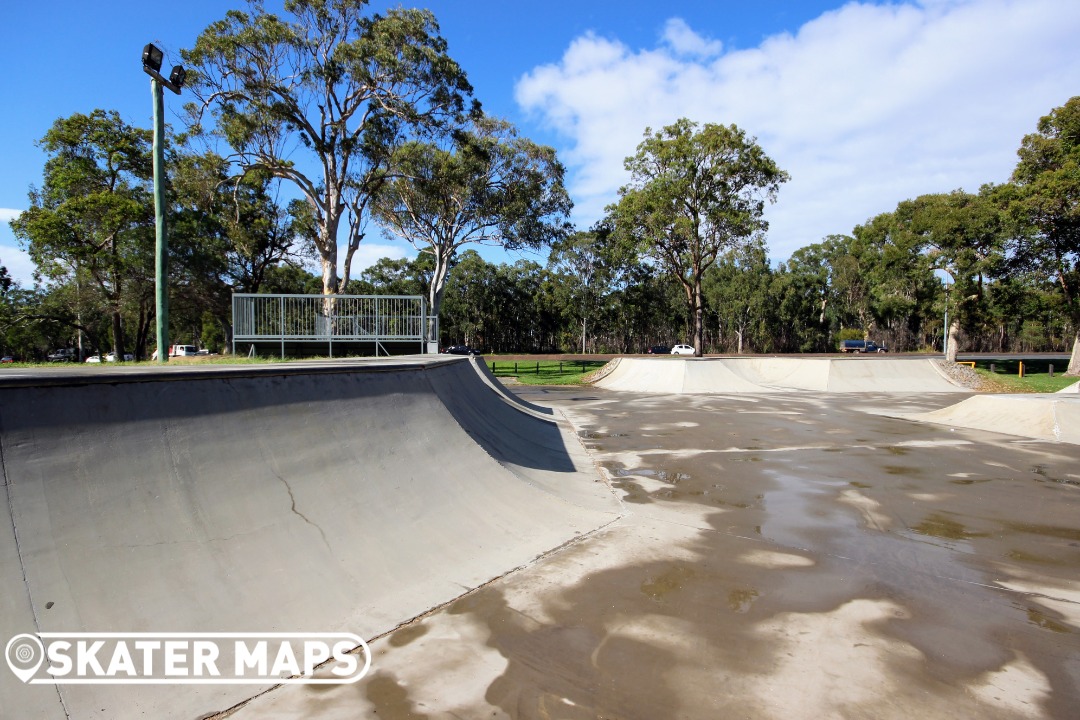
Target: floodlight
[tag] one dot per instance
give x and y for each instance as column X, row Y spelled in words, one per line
column 152, row 57
column 177, row 76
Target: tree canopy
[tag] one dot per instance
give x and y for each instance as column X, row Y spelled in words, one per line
column 319, row 98
column 694, row 194
column 487, row 185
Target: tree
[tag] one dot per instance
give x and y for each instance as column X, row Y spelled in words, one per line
column 489, row 186
column 587, row 269
column 1044, row 202
column 320, row 101
column 737, row 287
column 226, row 233
column 694, row 194
column 93, row 213
column 960, row 234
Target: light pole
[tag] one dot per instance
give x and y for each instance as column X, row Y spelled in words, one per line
column 151, row 59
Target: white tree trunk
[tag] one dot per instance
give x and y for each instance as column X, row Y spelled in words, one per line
column 954, row 330
column 1074, row 361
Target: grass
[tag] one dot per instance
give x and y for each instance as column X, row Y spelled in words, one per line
column 545, row 372
column 1006, row 374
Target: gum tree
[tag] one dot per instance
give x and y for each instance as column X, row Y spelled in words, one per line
column 319, row 98
column 1044, row 202
column 695, row 192
column 483, row 184
column 92, row 217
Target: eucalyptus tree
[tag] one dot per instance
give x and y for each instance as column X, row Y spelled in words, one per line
column 738, row 288
column 482, row 184
column 1044, row 202
column 960, row 234
column 319, row 98
column 92, row 217
column 587, row 264
column 226, row 234
column 694, row 193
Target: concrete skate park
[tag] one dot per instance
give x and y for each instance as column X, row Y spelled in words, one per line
column 691, row 538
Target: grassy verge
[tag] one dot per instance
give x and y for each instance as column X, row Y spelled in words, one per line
column 545, row 372
column 1037, row 379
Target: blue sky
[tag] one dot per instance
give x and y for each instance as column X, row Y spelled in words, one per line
column 864, row 104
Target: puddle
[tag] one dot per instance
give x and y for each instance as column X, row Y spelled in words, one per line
column 938, row 525
column 659, row 588
column 409, row 633
column 900, row 470
column 1039, row 619
column 740, row 600
column 1064, row 533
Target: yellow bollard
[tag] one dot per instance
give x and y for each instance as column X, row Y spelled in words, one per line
column 1021, row 368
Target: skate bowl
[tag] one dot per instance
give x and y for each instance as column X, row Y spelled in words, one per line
column 323, row 497
column 1053, row 417
column 776, row 375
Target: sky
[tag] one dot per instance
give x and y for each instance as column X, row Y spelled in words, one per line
column 864, row 104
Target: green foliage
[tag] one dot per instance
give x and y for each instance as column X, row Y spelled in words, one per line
column 1043, row 203
column 694, row 194
column 327, row 86
column 92, row 218
column 850, row 334
column 489, row 186
column 1006, row 375
column 545, row 372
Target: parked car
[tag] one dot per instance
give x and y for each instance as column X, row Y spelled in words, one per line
column 658, row 350
column 111, row 357
column 94, row 359
column 181, row 351
column 682, row 350
column 861, row 346
column 7, row 359
column 461, row 350
column 63, row 355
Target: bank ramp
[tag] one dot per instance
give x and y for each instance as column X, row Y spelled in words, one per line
column 776, row 375
column 334, row 497
column 1054, row 417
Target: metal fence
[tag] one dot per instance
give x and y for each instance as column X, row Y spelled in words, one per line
column 353, row 319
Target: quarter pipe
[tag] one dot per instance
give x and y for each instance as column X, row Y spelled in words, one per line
column 335, row 497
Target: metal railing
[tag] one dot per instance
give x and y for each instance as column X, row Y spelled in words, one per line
column 374, row 319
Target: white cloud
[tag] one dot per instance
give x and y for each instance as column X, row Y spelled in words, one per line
column 864, row 106
column 683, row 40
column 369, row 254
column 9, row 214
column 19, row 265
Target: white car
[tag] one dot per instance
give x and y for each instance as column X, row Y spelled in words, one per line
column 682, row 350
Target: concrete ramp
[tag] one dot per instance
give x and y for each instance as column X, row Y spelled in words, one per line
column 1074, row 388
column 1042, row 417
column 776, row 374
column 888, row 375
column 337, row 497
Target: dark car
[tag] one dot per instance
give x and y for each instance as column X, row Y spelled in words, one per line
column 861, row 346
column 658, row 350
column 461, row 350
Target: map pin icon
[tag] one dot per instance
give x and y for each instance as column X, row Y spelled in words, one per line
column 24, row 654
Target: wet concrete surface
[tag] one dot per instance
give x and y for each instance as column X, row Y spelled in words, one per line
column 780, row 557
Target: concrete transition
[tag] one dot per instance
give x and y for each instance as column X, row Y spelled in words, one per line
column 1051, row 417
column 328, row 497
column 776, row 375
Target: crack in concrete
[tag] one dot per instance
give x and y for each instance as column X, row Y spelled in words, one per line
column 302, row 516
